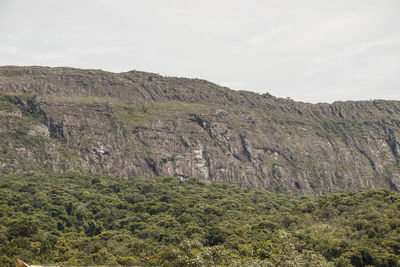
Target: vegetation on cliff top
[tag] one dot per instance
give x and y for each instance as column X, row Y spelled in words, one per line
column 76, row 218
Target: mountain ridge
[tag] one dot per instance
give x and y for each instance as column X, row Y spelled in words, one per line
column 127, row 76
column 144, row 124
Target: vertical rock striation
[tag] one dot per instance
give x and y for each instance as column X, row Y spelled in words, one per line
column 138, row 124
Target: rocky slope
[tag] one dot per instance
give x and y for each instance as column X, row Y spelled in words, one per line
column 142, row 124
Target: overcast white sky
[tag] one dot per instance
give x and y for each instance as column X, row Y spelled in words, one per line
column 309, row 50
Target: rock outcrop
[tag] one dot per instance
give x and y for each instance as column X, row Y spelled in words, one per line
column 138, row 124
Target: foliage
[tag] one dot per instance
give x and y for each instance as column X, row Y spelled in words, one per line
column 77, row 218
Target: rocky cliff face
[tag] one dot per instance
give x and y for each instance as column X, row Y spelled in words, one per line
column 142, row 124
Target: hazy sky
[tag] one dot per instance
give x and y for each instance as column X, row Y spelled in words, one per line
column 309, row 50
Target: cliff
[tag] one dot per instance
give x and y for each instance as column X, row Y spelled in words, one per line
column 137, row 124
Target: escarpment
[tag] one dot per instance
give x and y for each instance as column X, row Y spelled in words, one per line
column 138, row 124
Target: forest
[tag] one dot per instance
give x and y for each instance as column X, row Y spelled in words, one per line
column 78, row 218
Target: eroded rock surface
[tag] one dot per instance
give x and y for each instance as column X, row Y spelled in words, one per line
column 141, row 124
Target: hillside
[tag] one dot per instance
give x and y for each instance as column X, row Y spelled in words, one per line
column 84, row 219
column 137, row 124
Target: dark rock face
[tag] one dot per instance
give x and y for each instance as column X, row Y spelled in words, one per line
column 141, row 124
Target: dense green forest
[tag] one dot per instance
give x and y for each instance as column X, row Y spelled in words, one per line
column 86, row 219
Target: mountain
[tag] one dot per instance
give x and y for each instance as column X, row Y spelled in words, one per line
column 137, row 124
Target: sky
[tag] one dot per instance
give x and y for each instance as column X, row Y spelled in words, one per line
column 309, row 50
